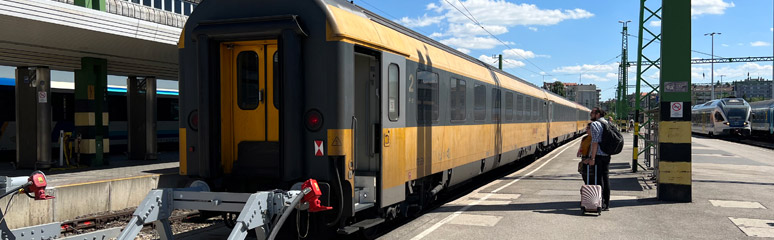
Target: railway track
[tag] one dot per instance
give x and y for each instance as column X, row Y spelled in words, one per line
column 183, row 221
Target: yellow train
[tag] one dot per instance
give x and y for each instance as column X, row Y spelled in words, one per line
column 274, row 92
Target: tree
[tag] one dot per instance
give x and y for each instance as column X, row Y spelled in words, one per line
column 558, row 88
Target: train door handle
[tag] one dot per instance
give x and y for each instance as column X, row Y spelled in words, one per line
column 260, row 95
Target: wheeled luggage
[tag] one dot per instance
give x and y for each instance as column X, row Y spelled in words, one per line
column 591, row 195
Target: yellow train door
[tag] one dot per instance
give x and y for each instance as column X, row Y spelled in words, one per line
column 248, row 109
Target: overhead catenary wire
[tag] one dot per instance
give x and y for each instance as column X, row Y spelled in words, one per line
column 471, row 18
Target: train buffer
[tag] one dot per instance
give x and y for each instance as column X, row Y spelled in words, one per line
column 258, row 211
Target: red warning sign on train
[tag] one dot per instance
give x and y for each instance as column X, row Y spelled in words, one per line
column 318, row 148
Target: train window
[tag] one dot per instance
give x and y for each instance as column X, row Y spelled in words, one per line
column 519, row 107
column 495, row 105
column 535, row 109
column 393, row 97
column 718, row 117
column 427, row 97
column 528, row 109
column 276, row 81
column 248, row 86
column 479, row 107
column 457, row 91
column 509, row 106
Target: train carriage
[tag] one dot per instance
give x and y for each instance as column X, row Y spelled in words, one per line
column 722, row 117
column 762, row 118
column 274, row 92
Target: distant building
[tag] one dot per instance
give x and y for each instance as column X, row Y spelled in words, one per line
column 584, row 94
column 753, row 88
column 702, row 92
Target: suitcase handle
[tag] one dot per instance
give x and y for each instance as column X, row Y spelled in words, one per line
column 588, row 177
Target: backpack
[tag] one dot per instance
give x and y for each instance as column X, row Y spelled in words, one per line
column 612, row 140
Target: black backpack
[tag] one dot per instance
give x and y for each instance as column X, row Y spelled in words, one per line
column 612, row 140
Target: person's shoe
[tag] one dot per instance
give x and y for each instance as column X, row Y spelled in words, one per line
column 605, row 207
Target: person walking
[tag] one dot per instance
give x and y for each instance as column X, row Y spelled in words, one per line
column 598, row 157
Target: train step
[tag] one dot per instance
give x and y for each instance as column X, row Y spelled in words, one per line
column 365, row 224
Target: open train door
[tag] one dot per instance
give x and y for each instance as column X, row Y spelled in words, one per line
column 366, row 127
column 249, row 108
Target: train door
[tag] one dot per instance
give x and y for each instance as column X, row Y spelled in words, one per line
column 393, row 165
column 249, row 113
column 367, row 128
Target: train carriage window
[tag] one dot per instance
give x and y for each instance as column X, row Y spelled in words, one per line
column 509, row 106
column 519, row 107
column 528, row 110
column 427, row 97
column 479, row 107
column 495, row 105
column 535, row 109
column 248, row 86
column 393, row 97
column 457, row 91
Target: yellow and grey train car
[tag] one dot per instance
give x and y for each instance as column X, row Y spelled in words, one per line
column 274, row 92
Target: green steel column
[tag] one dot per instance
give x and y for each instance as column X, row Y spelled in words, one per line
column 91, row 116
column 674, row 178
column 500, row 57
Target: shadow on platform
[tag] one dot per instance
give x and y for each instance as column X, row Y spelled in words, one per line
column 564, row 207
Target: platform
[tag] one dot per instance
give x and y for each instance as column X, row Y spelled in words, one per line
column 86, row 191
column 733, row 193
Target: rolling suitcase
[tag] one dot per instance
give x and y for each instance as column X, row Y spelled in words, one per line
column 591, row 195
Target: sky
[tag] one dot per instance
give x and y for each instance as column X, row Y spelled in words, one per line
column 572, row 41
column 580, row 41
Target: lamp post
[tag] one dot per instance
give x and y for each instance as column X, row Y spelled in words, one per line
column 712, row 75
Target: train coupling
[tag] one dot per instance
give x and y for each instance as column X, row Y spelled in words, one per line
column 263, row 212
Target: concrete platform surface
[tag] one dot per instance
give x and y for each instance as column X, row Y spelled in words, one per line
column 733, row 197
column 87, row 191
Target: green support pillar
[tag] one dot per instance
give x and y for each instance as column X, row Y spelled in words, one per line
column 93, row 4
column 91, row 115
column 674, row 166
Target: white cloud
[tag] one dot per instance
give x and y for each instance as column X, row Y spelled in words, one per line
column 422, row 21
column 612, row 67
column 473, row 43
column 656, row 23
column 464, row 50
column 771, row 29
column 436, row 35
column 717, row 7
column 510, row 14
column 611, row 75
column 594, row 77
column 731, row 72
column 760, row 44
column 518, row 53
column 495, row 15
column 724, row 45
column 507, row 63
column 740, row 44
column 470, row 29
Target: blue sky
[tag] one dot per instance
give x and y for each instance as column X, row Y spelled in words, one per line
column 578, row 41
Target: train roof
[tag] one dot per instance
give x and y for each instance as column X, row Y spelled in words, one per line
column 391, row 36
column 723, row 101
column 762, row 104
